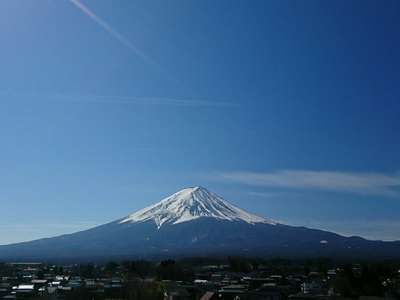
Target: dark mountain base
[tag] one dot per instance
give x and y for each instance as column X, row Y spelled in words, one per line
column 202, row 237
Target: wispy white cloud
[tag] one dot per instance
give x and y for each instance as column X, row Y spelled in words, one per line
column 120, row 100
column 112, row 31
column 352, row 182
column 267, row 194
column 129, row 100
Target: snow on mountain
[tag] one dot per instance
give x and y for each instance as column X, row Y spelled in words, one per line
column 189, row 204
column 218, row 229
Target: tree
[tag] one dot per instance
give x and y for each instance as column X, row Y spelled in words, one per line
column 170, row 270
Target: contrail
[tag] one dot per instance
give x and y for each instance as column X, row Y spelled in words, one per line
column 114, row 33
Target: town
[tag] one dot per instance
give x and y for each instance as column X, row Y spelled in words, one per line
column 202, row 279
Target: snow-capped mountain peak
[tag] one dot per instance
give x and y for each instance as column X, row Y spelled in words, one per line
column 189, row 204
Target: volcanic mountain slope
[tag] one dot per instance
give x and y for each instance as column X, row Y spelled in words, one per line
column 196, row 222
column 191, row 204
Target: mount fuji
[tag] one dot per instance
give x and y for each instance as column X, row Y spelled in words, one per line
column 196, row 222
column 191, row 204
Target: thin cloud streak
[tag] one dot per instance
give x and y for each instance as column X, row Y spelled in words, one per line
column 357, row 183
column 143, row 100
column 267, row 194
column 122, row 100
column 113, row 32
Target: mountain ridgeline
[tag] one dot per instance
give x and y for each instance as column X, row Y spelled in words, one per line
column 196, row 222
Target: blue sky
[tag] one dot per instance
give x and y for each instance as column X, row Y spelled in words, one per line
column 289, row 109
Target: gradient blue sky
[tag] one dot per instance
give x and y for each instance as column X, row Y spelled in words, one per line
column 289, row 109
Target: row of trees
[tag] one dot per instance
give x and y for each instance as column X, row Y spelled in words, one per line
column 140, row 269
